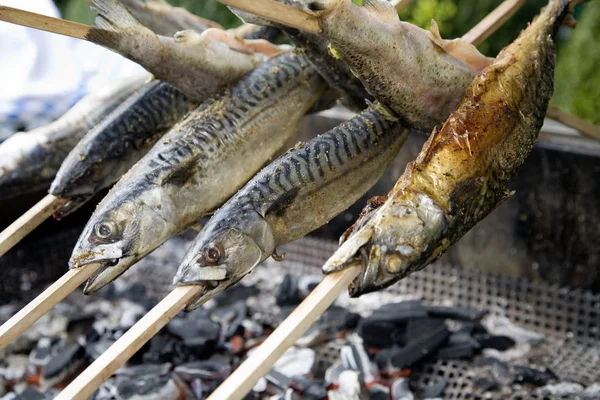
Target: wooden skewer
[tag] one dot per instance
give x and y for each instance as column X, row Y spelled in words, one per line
column 44, row 302
column 582, row 126
column 27, row 222
column 241, row 381
column 277, row 12
column 494, row 20
column 112, row 359
column 43, row 22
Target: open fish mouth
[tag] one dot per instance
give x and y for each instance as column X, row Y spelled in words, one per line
column 209, row 289
column 110, row 270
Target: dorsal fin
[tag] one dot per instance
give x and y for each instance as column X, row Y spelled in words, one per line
column 380, row 9
column 435, row 33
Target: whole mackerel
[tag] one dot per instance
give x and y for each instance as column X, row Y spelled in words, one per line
column 415, row 72
column 297, row 193
column 197, row 165
column 198, row 64
column 463, row 171
column 110, row 149
column 29, row 160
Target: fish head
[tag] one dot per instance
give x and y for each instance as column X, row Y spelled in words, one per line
column 223, row 253
column 391, row 242
column 122, row 230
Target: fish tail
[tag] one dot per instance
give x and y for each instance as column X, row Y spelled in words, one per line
column 113, row 22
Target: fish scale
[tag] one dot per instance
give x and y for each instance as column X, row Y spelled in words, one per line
column 118, row 142
column 300, row 191
column 198, row 165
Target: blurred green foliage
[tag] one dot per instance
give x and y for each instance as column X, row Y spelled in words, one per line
column 577, row 83
column 578, row 70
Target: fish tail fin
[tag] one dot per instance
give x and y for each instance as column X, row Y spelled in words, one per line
column 112, row 22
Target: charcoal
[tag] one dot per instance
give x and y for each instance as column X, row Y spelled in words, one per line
column 463, row 338
column 485, row 384
column 500, row 343
column 379, row 392
column 288, row 293
column 230, row 317
column 328, row 326
column 416, row 328
column 278, row 379
column 401, row 390
column 379, row 334
column 499, row 369
column 162, row 349
column 197, row 389
column 66, row 359
column 31, row 394
column 354, row 356
column 206, row 370
column 534, row 376
column 234, row 294
column 398, row 313
column 431, row 338
column 188, row 328
column 350, row 386
column 14, row 369
column 151, row 382
column 310, row 390
column 455, row 313
column 45, row 349
column 471, row 328
column 455, row 352
column 252, row 329
column 296, row 362
column 435, row 389
column 260, row 386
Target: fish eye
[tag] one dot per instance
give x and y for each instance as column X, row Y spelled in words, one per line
column 104, row 230
column 213, row 253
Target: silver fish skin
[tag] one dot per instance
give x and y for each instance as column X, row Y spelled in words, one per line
column 297, row 193
column 198, row 165
column 164, row 19
column 29, row 160
column 197, row 64
column 464, row 169
column 110, row 149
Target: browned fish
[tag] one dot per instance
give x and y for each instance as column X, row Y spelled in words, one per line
column 463, row 171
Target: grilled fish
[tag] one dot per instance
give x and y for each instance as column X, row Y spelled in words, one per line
column 315, row 47
column 297, row 193
column 166, row 20
column 197, row 165
column 197, row 64
column 415, row 72
column 463, row 170
column 111, row 148
column 29, row 160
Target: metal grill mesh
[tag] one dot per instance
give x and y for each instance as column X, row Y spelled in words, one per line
column 568, row 318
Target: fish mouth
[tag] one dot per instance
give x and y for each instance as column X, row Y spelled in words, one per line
column 72, row 204
column 209, row 289
column 109, row 271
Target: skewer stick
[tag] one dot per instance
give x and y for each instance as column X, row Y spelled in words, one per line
column 582, row 126
column 44, row 302
column 112, row 359
column 494, row 20
column 43, row 22
column 27, row 222
column 241, row 381
column 277, row 12
column 243, row 378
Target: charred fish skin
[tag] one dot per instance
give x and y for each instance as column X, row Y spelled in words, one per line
column 299, row 192
column 415, row 72
column 166, row 20
column 30, row 160
column 111, row 148
column 198, row 165
column 463, row 171
column 197, row 64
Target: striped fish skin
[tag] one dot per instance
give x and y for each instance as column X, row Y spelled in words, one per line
column 30, row 160
column 197, row 64
column 463, row 171
column 198, row 165
column 299, row 192
column 110, row 149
